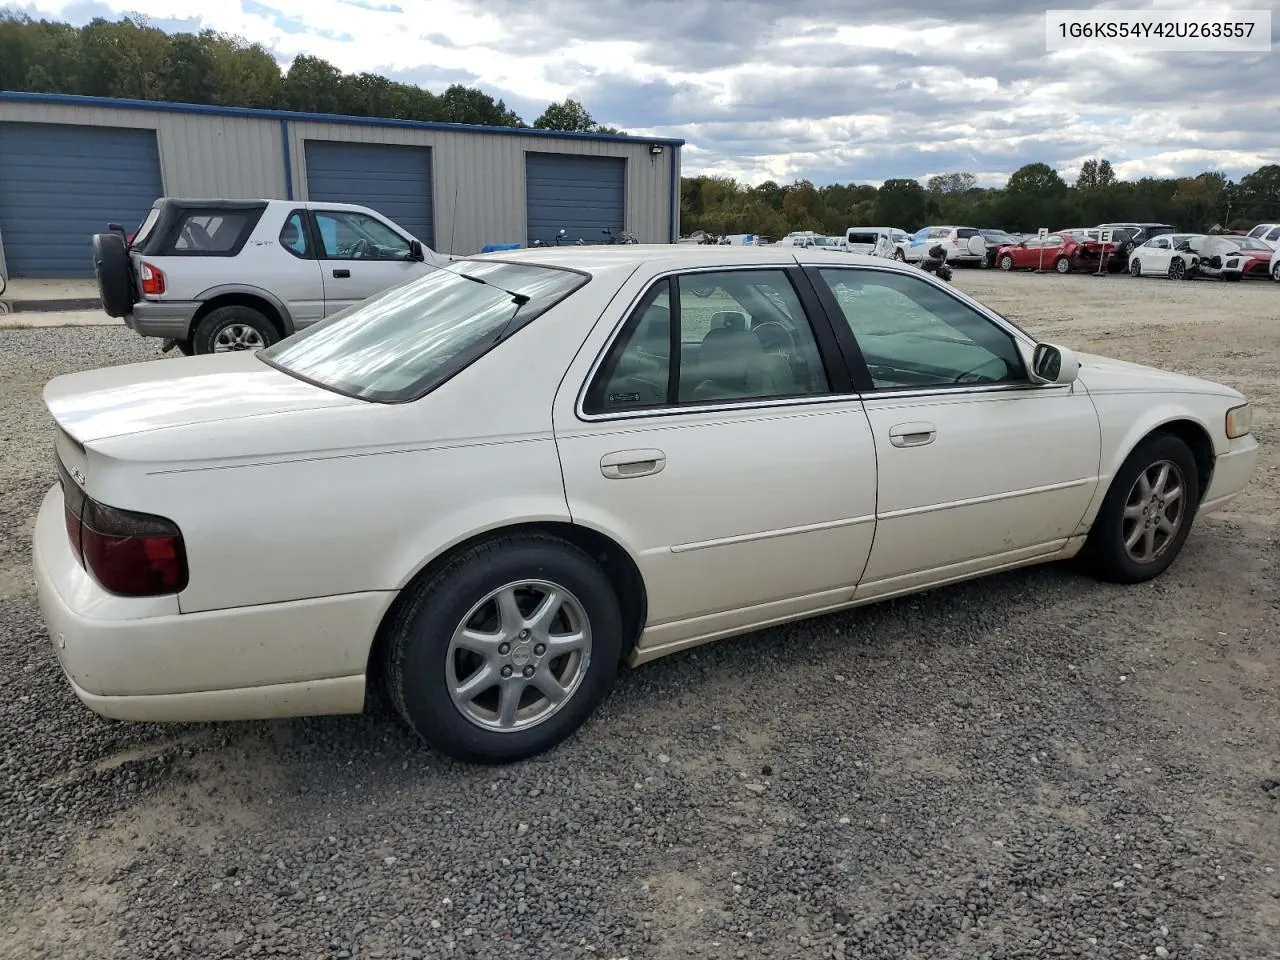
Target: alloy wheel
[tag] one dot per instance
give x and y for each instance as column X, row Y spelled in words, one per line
column 1154, row 511
column 518, row 656
column 237, row 336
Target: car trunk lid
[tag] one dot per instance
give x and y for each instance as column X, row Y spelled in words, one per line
column 141, row 397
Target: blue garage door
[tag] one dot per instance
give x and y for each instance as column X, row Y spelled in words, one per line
column 583, row 195
column 394, row 180
column 60, row 184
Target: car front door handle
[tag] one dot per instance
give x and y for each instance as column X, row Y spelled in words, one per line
column 342, row 274
column 625, row 464
column 912, row 434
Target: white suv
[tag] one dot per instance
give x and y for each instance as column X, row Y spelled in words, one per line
column 216, row 275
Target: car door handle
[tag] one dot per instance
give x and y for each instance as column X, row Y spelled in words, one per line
column 625, row 464
column 912, row 434
column 342, row 274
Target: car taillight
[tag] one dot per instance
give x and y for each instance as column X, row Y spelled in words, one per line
column 130, row 554
column 152, row 280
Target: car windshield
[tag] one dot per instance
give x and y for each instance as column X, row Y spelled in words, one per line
column 404, row 342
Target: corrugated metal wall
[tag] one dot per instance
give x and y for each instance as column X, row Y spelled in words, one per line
column 212, row 155
column 201, row 155
column 486, row 175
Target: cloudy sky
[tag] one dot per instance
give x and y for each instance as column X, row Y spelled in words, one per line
column 831, row 90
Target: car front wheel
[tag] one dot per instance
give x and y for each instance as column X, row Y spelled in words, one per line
column 1006, row 262
column 1147, row 514
column 505, row 651
column 1135, row 267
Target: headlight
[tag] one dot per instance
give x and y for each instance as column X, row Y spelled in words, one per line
column 1239, row 421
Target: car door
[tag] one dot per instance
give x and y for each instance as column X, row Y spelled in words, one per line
column 717, row 436
column 293, row 273
column 979, row 468
column 1154, row 256
column 1026, row 255
column 361, row 256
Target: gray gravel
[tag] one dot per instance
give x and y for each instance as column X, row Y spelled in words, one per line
column 1031, row 766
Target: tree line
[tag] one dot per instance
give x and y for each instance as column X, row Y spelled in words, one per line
column 1035, row 196
column 131, row 59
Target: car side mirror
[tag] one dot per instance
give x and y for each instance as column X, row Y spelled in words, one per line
column 1051, row 364
column 415, row 251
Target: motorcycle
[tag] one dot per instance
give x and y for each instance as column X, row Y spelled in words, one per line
column 562, row 238
column 936, row 263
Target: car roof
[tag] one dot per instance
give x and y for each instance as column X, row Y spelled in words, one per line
column 674, row 256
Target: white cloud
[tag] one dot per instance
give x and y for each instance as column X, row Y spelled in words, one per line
column 763, row 90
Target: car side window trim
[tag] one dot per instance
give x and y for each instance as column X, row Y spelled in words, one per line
column 838, row 379
column 308, row 235
column 864, row 384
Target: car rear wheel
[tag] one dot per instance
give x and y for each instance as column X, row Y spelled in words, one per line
column 899, row 255
column 232, row 328
column 1006, row 262
column 504, row 652
column 1147, row 514
column 1135, row 267
column 1062, row 265
column 114, row 273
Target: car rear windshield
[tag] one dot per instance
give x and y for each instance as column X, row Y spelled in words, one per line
column 406, row 341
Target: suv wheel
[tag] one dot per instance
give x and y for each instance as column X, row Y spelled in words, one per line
column 233, row 328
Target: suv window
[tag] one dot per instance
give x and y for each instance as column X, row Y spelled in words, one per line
column 293, row 235
column 868, row 238
column 347, row 235
column 912, row 334
column 211, row 233
column 740, row 335
column 400, row 344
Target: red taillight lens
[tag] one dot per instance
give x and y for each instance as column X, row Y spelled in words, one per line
column 152, row 279
column 132, row 554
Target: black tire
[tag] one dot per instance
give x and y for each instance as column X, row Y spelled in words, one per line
column 1006, row 263
column 416, row 662
column 1135, row 268
column 114, row 271
column 899, row 255
column 1275, row 274
column 1062, row 264
column 1177, row 269
column 1104, row 554
column 233, row 323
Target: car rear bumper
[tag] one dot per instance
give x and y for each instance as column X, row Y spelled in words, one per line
column 141, row 659
column 163, row 318
column 1231, row 474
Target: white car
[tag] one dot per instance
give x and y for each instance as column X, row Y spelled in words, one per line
column 1268, row 233
column 864, row 239
column 1274, row 266
column 962, row 244
column 1168, row 255
column 211, row 276
column 502, row 484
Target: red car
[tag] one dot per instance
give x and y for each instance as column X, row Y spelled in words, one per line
column 1233, row 258
column 1063, row 251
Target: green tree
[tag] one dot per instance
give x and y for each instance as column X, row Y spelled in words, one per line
column 952, row 183
column 1036, row 178
column 901, row 203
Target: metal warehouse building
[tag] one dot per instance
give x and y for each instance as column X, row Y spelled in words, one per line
column 71, row 164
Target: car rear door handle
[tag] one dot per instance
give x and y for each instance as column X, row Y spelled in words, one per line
column 912, row 434
column 625, row 464
column 342, row 274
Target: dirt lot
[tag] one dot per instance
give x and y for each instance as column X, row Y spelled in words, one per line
column 1035, row 765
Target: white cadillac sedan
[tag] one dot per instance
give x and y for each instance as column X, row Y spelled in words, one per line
column 489, row 488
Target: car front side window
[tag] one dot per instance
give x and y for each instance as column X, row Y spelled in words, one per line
column 700, row 338
column 913, row 335
column 357, row 236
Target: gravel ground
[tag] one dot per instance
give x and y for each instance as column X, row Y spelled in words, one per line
column 1034, row 765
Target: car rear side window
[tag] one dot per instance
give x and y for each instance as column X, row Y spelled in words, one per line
column 212, row 233
column 731, row 336
column 964, row 233
column 406, row 341
column 868, row 238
